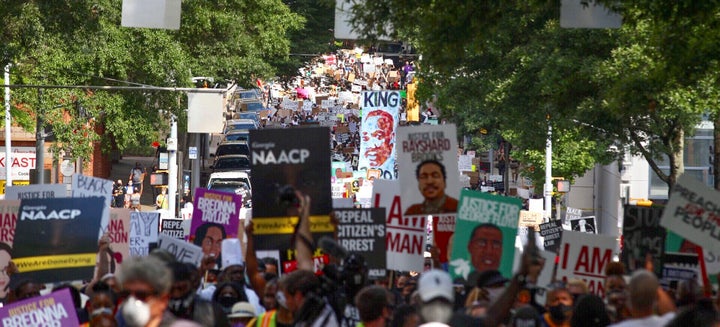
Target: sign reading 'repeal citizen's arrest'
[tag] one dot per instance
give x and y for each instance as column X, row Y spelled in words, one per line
column 693, row 212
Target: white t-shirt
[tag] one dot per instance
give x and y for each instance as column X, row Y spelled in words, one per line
column 651, row 321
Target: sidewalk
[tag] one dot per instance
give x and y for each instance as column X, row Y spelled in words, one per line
column 121, row 170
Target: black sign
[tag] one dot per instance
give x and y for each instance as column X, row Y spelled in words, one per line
column 362, row 231
column 551, row 232
column 642, row 235
column 173, row 228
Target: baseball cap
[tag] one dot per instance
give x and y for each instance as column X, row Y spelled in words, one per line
column 434, row 284
column 242, row 310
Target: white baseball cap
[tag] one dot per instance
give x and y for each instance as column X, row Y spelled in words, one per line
column 434, row 284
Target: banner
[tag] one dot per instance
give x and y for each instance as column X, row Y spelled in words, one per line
column 54, row 309
column 693, row 212
column 143, row 232
column 362, row 231
column 88, row 186
column 551, row 232
column 56, row 239
column 8, row 218
column 285, row 160
column 36, row 191
column 172, row 228
column 406, row 238
column 182, row 250
column 23, row 159
column 377, row 131
column 485, row 231
column 585, row 256
column 118, row 233
column 642, row 235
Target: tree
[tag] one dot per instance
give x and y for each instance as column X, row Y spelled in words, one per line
column 82, row 43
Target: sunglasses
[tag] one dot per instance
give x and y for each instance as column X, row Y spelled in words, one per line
column 140, row 295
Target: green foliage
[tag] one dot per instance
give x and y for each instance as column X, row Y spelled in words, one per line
column 82, row 43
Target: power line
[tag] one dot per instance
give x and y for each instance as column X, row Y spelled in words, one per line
column 119, row 88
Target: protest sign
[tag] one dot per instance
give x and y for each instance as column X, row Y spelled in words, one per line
column 443, row 228
column 8, row 217
column 54, row 309
column 285, row 161
column 405, row 237
column 678, row 267
column 693, row 212
column 362, row 231
column 118, row 233
column 571, row 214
column 377, row 131
column 485, row 230
column 172, row 228
column 584, row 225
column 642, row 235
column 216, row 216
column 36, row 191
column 56, row 239
column 530, row 219
column 143, row 232
column 584, row 256
column 551, row 232
column 182, row 250
column 87, row 186
column 465, row 163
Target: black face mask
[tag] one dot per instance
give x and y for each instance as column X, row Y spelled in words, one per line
column 180, row 305
column 559, row 312
column 227, row 302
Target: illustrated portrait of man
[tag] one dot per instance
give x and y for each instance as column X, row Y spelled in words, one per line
column 380, row 140
column 209, row 237
column 485, row 247
column 432, row 178
column 583, row 226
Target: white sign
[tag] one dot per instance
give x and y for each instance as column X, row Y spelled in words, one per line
column 585, row 256
column 465, row 163
column 192, row 152
column 88, row 186
column 206, row 113
column 22, row 159
column 693, row 212
column 143, row 231
column 36, row 191
column 182, row 250
column 403, row 236
column 163, row 14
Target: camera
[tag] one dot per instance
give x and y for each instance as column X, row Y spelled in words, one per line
column 286, row 196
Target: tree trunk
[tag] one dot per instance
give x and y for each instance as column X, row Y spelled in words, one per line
column 716, row 152
column 677, row 164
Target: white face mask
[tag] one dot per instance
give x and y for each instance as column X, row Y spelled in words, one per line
column 436, row 312
column 135, row 312
column 280, row 297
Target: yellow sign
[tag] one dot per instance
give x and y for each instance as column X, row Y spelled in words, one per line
column 46, row 262
column 2, row 184
column 286, row 225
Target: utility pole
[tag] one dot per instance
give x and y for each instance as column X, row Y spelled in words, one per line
column 40, row 141
column 547, row 190
column 8, row 130
column 172, row 147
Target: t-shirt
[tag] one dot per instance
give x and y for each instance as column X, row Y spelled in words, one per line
column 650, row 321
column 136, row 175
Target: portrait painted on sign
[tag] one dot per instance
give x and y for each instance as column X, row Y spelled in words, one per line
column 432, row 177
column 378, row 141
column 209, row 237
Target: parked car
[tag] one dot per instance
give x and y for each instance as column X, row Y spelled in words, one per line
column 236, row 135
column 232, row 147
column 248, row 115
column 229, row 176
column 240, row 124
column 231, row 162
column 235, row 187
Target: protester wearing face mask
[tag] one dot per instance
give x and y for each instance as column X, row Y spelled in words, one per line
column 437, row 297
column 147, row 282
column 278, row 314
column 227, row 294
column 184, row 302
column 559, row 305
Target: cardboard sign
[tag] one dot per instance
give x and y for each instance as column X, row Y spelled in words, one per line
column 362, row 231
column 642, row 235
column 143, row 231
column 584, row 225
column 284, row 160
column 585, row 256
column 530, row 219
column 377, row 131
column 54, row 309
column 172, row 228
column 118, row 233
column 405, row 237
column 551, row 232
column 465, row 163
column 183, row 251
column 691, row 212
column 8, row 218
column 37, row 191
column 485, row 231
column 56, row 239
column 88, row 186
column 429, row 150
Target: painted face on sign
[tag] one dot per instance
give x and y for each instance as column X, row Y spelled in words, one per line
column 431, row 181
column 485, row 247
column 4, row 275
column 379, row 138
